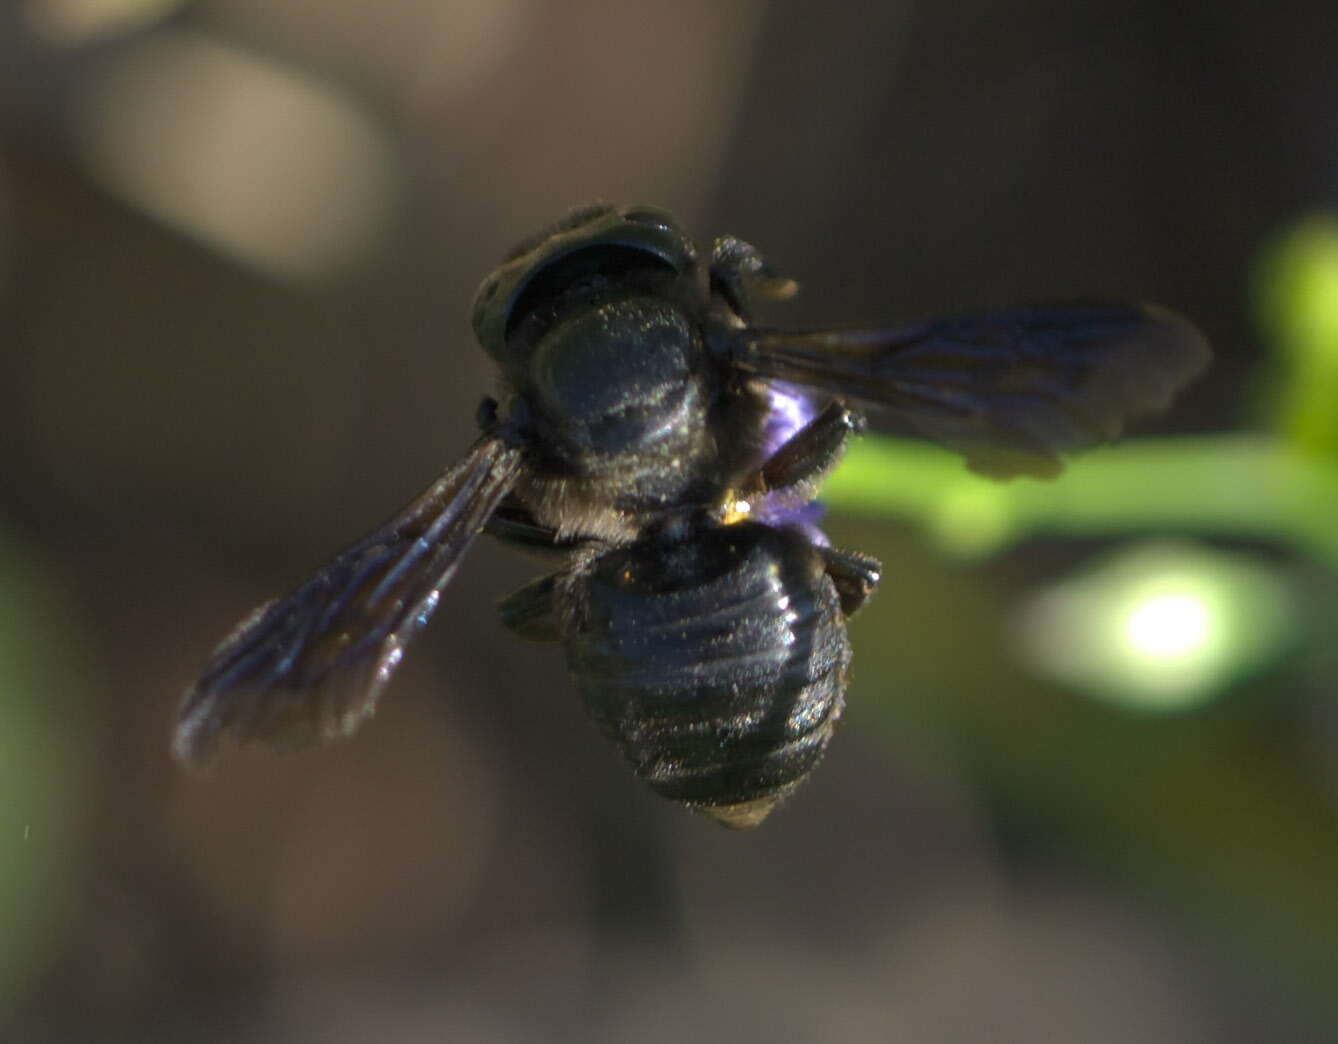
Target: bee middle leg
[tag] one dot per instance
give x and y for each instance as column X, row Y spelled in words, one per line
column 513, row 524
column 531, row 613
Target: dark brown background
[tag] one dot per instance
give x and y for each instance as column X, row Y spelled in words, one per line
column 183, row 432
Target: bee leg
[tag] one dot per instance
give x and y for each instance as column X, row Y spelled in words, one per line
column 530, row 613
column 740, row 275
column 800, row 465
column 855, row 576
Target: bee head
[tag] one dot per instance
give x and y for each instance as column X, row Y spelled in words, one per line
column 592, row 245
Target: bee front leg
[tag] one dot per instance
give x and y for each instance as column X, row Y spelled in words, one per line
column 740, row 275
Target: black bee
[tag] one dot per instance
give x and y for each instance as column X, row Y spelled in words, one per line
column 672, row 451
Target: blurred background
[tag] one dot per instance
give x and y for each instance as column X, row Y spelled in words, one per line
column 1085, row 789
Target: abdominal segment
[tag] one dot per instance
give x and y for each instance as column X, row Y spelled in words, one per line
column 716, row 664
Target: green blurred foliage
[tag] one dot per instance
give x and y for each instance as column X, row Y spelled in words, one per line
column 1240, row 486
column 38, row 768
column 1296, row 297
column 1215, row 811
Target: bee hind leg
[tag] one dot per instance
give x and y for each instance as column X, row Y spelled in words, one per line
column 854, row 574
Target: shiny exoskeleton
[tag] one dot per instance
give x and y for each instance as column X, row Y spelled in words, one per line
column 714, row 657
column 671, row 450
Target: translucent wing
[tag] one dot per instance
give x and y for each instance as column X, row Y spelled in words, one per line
column 1011, row 390
column 309, row 667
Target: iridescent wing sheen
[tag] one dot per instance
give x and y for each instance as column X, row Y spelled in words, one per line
column 1011, row 390
column 309, row 667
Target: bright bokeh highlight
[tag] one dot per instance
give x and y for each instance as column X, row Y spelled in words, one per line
column 270, row 165
column 73, row 23
column 1170, row 626
column 1159, row 627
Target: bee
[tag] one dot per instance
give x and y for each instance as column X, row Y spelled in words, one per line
column 671, row 451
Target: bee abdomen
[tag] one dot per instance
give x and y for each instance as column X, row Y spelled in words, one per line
column 717, row 664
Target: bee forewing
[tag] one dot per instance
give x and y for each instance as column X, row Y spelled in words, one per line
column 308, row 667
column 1011, row 390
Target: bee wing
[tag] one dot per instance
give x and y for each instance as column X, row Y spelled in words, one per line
column 308, row 667
column 1011, row 390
